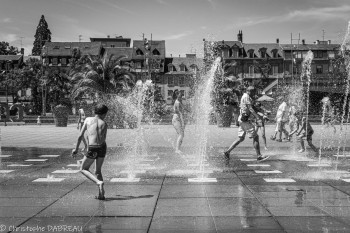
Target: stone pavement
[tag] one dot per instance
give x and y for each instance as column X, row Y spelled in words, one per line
column 41, row 189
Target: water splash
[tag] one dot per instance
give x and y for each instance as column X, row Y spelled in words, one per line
column 306, row 73
column 345, row 50
column 203, row 109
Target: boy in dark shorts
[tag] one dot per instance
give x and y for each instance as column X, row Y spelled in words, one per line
column 304, row 130
column 96, row 134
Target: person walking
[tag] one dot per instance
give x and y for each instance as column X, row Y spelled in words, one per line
column 96, row 128
column 282, row 118
column 246, row 126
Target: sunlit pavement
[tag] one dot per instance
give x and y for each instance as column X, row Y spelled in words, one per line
column 41, row 189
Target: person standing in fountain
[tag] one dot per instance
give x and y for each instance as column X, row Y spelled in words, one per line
column 246, row 126
column 80, row 126
column 282, row 118
column 97, row 148
column 178, row 121
column 262, row 112
column 304, row 130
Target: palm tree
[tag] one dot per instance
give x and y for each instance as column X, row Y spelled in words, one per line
column 100, row 77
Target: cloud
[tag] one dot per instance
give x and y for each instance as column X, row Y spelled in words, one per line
column 162, row 2
column 7, row 20
column 117, row 7
column 203, row 27
column 320, row 14
column 212, row 3
column 177, row 36
column 9, row 37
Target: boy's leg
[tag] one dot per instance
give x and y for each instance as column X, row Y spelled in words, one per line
column 86, row 163
column 302, row 145
column 98, row 172
column 263, row 136
column 241, row 136
column 309, row 141
column 256, row 145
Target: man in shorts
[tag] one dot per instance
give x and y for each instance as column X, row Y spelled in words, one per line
column 96, row 130
column 246, row 126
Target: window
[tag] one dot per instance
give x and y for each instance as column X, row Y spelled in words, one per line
column 275, row 53
column 112, row 45
column 139, row 52
column 251, row 70
column 64, row 61
column 181, row 81
column 182, row 67
column 67, row 47
column 318, row 54
column 183, row 93
column 138, row 65
column 263, row 53
column 235, row 52
column 251, row 53
column 319, row 69
column 274, row 70
column 54, row 61
column 56, row 47
column 171, row 81
column 170, row 93
column 331, row 55
column 170, row 67
column 193, row 67
column 156, row 52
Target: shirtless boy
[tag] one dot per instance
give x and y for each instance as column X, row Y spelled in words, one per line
column 96, row 134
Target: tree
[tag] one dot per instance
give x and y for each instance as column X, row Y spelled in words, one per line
column 42, row 35
column 6, row 49
column 58, row 85
column 101, row 76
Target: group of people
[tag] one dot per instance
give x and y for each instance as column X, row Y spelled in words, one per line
column 251, row 119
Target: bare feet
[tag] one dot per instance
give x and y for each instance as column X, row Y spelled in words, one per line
column 101, row 191
column 265, row 148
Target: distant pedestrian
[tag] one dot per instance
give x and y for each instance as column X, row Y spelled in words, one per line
column 38, row 120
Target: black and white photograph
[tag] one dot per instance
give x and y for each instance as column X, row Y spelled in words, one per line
column 175, row 116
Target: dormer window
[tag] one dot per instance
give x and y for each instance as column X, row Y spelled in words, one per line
column 112, row 45
column 170, row 67
column 56, row 47
column 182, row 67
column 275, row 53
column 139, row 52
column 156, row 52
column 233, row 52
column 251, row 53
column 193, row 67
column 251, row 70
column 263, row 53
column 67, row 47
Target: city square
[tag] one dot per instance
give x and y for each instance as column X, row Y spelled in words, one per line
column 162, row 116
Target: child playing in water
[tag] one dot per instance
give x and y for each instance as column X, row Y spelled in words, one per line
column 304, row 130
column 263, row 115
column 96, row 128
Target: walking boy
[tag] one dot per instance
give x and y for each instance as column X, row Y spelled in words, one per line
column 281, row 119
column 97, row 131
column 304, row 130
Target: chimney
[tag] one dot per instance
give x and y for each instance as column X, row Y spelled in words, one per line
column 303, row 41
column 179, row 55
column 240, row 36
column 22, row 51
column 317, row 41
column 108, row 36
column 190, row 55
column 171, row 55
column 329, row 41
column 277, row 40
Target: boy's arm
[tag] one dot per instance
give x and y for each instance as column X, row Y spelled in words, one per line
column 294, row 131
column 303, row 126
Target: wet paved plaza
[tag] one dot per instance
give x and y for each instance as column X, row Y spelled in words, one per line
column 41, row 189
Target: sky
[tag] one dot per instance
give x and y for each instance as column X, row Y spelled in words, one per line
column 181, row 23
